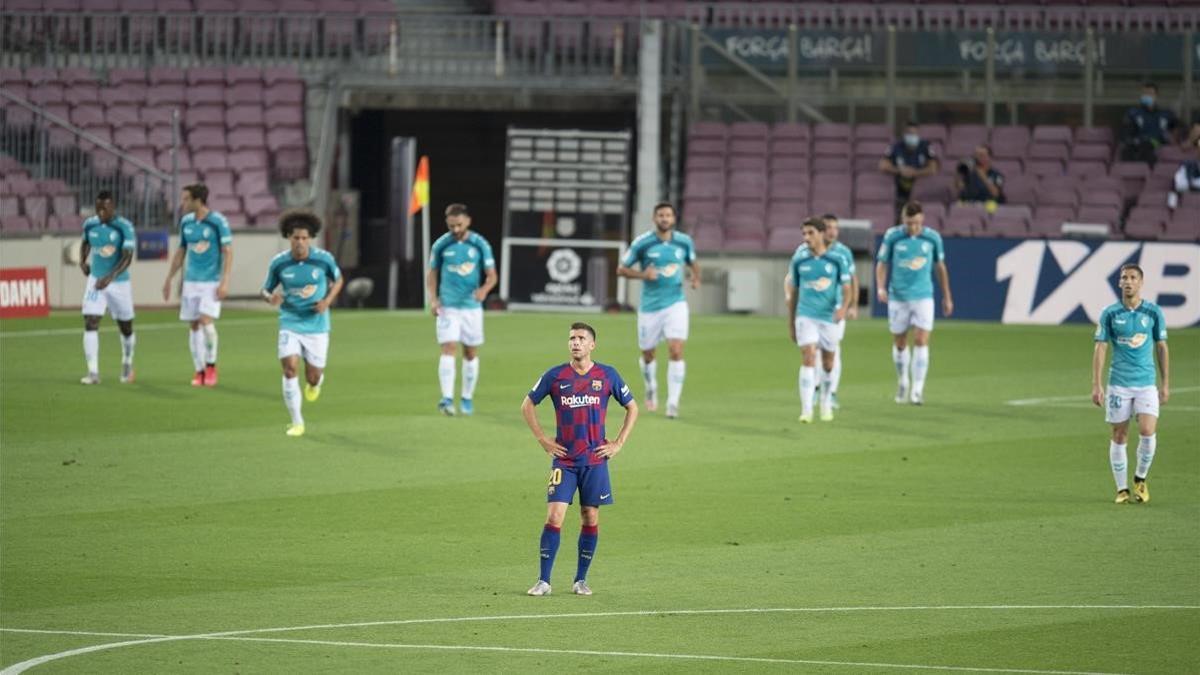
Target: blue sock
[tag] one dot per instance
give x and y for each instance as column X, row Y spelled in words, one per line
column 549, row 547
column 588, row 536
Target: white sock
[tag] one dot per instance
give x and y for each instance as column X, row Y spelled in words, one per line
column 446, row 375
column 196, row 344
column 128, row 342
column 321, row 380
column 291, row 398
column 901, row 357
column 470, row 378
column 649, row 378
column 1118, row 459
column 835, row 376
column 676, row 371
column 91, row 350
column 826, row 388
column 808, row 376
column 920, row 368
column 210, row 342
column 1145, row 454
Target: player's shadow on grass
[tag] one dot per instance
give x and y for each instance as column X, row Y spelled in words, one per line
column 257, row 394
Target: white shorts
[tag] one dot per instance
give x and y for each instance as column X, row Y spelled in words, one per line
column 670, row 323
column 841, row 330
column 821, row 333
column 117, row 298
column 199, row 298
column 313, row 347
column 460, row 325
column 1121, row 401
column 903, row 315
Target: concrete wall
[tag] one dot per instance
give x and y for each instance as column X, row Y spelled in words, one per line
column 251, row 252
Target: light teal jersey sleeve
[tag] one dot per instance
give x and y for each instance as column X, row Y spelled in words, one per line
column 461, row 267
column 847, row 256
column 669, row 258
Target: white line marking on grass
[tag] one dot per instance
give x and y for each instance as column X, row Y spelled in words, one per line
column 1056, row 401
column 241, row 634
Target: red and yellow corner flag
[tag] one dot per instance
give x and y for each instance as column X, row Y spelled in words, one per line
column 420, row 191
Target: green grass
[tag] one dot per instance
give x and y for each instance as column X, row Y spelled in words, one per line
column 159, row 509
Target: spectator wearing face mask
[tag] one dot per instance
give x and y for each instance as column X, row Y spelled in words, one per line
column 978, row 181
column 908, row 159
column 1146, row 128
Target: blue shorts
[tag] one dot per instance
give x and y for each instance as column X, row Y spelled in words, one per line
column 594, row 486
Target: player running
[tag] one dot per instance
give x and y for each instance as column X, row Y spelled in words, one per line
column 661, row 255
column 1131, row 325
column 838, row 248
column 818, row 301
column 105, row 256
column 206, row 243
column 579, row 391
column 910, row 252
column 303, row 282
column 462, row 271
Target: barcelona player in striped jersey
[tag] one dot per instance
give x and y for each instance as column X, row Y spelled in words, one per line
column 1138, row 333
column 579, row 390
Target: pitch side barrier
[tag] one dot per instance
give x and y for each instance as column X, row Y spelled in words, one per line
column 1036, row 281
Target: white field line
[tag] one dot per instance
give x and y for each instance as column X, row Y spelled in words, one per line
column 243, row 634
column 1057, row 401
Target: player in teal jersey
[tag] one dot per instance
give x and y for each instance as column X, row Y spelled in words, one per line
column 661, row 255
column 206, row 244
column 819, row 299
column 303, row 282
column 462, row 271
column 1131, row 325
column 105, row 256
column 911, row 252
column 838, row 248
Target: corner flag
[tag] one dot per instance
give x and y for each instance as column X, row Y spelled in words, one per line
column 420, row 191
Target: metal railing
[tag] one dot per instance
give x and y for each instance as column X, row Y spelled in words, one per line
column 52, row 148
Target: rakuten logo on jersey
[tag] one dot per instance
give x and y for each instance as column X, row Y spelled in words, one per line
column 578, row 401
column 1171, row 270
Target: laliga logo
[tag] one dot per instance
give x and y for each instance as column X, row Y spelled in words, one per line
column 916, row 263
column 564, row 265
column 1088, row 275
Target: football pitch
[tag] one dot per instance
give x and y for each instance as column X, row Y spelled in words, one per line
column 154, row 527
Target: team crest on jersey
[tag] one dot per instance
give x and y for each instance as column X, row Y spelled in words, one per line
column 200, row 246
column 464, row 269
column 597, row 385
column 315, row 274
column 205, row 232
column 828, row 268
column 925, row 247
column 471, row 253
column 916, row 263
column 112, row 236
column 820, row 284
column 107, row 251
column 670, row 270
column 307, row 292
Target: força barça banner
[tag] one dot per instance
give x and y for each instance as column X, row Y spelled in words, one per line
column 1035, row 281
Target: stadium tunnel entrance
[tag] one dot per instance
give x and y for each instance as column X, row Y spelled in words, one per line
column 466, row 150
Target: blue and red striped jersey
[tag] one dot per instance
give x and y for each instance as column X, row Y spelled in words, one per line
column 580, row 403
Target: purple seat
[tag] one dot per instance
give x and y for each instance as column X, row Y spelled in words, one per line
column 59, row 222
column 882, row 216
column 256, row 205
column 235, row 75
column 204, row 115
column 1057, row 194
column 748, row 146
column 964, row 220
column 876, row 132
column 47, row 92
column 210, row 160
column 791, row 130
column 14, row 224
column 1102, row 135
column 789, row 163
column 873, row 148
column 1052, row 133
column 10, row 205
column 711, row 130
column 130, row 136
column 205, row 75
column 696, row 184
column 1087, row 169
column 1044, row 167
column 1143, row 228
column 706, row 147
column 938, row 188
column 160, row 75
column 786, row 213
column 250, row 115
column 1091, row 151
column 708, row 238
column 793, row 147
column 700, row 161
column 934, row 132
column 1048, row 220
column 1009, row 166
column 831, row 164
column 753, row 130
column 1007, row 226
column 1047, row 150
column 874, row 187
column 206, row 138
column 247, row 160
column 837, row 131
column 246, row 138
column 747, row 163
column 789, row 184
column 972, row 134
column 36, row 208
column 163, row 160
column 1183, row 226
column 1093, row 213
column 87, row 115
column 745, row 210
column 275, row 74
column 839, row 148
column 289, row 163
column 785, row 239
column 284, row 93
column 168, row 93
column 744, row 240
column 244, row 92
column 220, row 182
